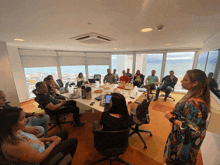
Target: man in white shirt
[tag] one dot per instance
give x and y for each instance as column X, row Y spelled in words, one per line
column 115, row 74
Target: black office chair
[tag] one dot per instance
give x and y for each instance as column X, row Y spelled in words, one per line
column 60, row 83
column 140, row 117
column 97, row 77
column 111, row 144
column 59, row 119
column 169, row 96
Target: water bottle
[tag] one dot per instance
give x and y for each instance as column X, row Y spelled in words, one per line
column 83, row 92
column 88, row 93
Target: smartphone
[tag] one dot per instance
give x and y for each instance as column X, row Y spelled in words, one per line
column 108, row 98
column 92, row 103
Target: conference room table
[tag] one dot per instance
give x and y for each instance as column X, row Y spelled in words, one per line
column 130, row 95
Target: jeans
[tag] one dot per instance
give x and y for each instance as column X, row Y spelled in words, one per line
column 168, row 90
column 41, row 123
column 66, row 146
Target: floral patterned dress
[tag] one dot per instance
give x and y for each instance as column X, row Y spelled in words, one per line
column 184, row 142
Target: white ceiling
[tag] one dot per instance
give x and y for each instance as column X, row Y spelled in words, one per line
column 50, row 24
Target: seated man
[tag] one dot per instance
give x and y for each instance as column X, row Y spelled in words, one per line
column 115, row 74
column 151, row 82
column 53, row 104
column 51, row 89
column 124, row 78
column 213, row 85
column 169, row 83
column 110, row 78
column 37, row 123
column 129, row 74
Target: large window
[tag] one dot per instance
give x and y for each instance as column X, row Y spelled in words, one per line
column 70, row 73
column 97, row 69
column 34, row 75
column 179, row 62
column 202, row 61
column 148, row 62
column 211, row 62
column 122, row 62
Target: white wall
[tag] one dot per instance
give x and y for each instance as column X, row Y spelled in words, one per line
column 18, row 73
column 7, row 84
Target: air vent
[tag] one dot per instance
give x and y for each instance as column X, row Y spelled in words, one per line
column 93, row 38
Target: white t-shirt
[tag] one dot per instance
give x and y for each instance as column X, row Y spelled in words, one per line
column 80, row 79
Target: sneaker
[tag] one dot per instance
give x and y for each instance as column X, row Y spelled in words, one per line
column 79, row 125
column 165, row 99
column 156, row 98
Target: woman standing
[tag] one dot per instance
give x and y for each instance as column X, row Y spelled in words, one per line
column 189, row 120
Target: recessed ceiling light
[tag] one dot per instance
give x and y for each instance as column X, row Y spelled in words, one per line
column 168, row 44
column 17, row 39
column 115, row 48
column 146, row 30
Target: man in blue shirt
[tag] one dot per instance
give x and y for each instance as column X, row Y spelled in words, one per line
column 169, row 83
column 37, row 123
column 110, row 78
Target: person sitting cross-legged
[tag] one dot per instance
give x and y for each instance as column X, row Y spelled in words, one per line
column 49, row 102
column 124, row 77
column 37, row 123
column 18, row 147
column 169, row 83
column 151, row 83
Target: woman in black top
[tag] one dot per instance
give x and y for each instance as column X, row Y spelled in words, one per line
column 117, row 118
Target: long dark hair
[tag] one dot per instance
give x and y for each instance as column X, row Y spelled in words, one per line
column 80, row 74
column 202, row 89
column 119, row 105
column 9, row 118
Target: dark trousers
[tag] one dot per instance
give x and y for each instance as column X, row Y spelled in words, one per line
column 69, row 107
column 168, row 90
column 66, row 146
column 149, row 87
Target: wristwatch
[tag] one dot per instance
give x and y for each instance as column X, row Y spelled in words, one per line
column 172, row 120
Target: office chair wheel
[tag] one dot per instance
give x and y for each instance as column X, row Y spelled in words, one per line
column 151, row 134
column 145, row 147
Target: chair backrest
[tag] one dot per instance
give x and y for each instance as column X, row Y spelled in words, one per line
column 59, row 82
column 111, row 142
column 97, row 77
column 142, row 112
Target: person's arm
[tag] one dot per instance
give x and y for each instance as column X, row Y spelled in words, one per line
column 175, row 81
column 128, row 79
column 32, row 130
column 163, row 79
column 104, row 79
column 54, row 84
column 157, row 82
column 52, row 107
column 146, row 81
column 26, row 153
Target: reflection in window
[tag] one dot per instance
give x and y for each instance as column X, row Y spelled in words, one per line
column 202, row 61
column 179, row 62
column 211, row 63
column 34, row 75
column 70, row 73
column 148, row 62
column 122, row 62
column 97, row 69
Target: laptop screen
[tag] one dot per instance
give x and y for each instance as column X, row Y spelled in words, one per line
column 108, row 98
column 66, row 86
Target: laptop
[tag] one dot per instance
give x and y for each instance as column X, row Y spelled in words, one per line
column 65, row 89
column 99, row 98
column 79, row 83
column 91, row 80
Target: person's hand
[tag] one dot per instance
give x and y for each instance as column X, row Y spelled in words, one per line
column 52, row 138
column 156, row 83
column 32, row 130
column 63, row 101
column 169, row 114
column 56, row 141
column 41, row 114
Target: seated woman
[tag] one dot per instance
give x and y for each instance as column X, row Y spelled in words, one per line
column 18, row 147
column 80, row 77
column 138, row 78
column 117, row 118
